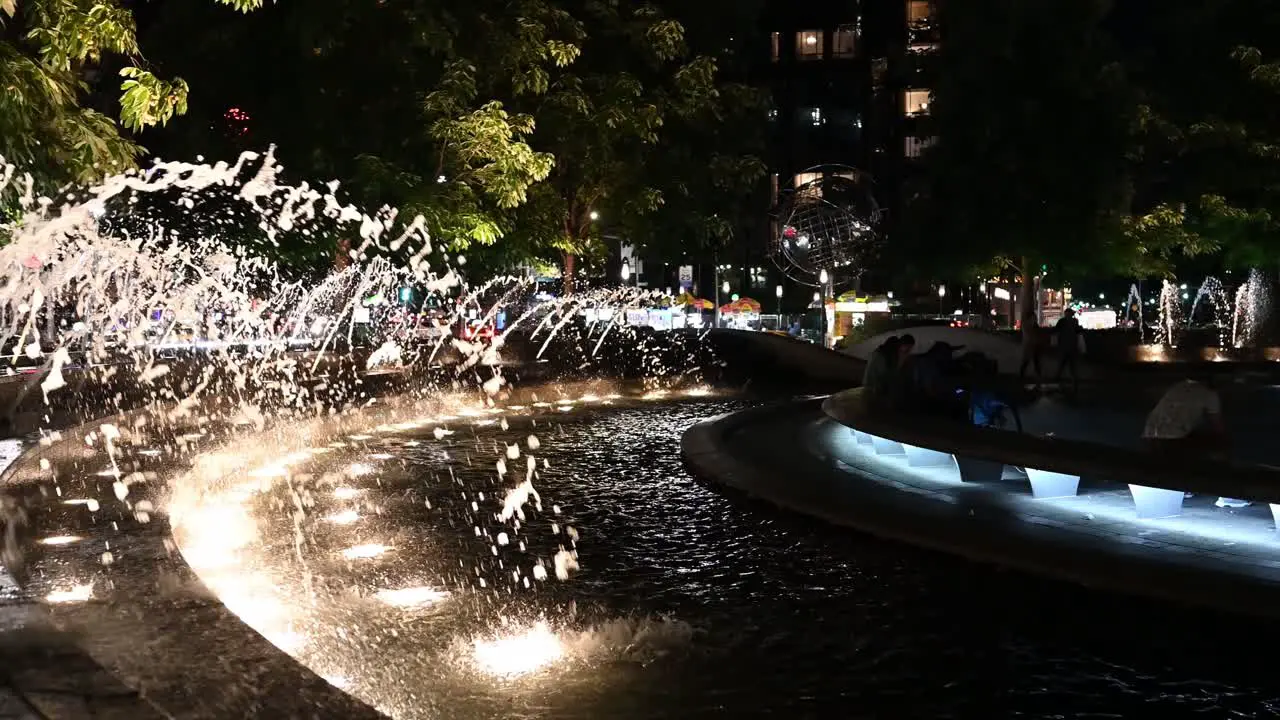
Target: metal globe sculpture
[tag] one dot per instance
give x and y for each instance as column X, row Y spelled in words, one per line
column 829, row 223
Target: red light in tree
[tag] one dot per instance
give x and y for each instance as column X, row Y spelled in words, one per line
column 237, row 122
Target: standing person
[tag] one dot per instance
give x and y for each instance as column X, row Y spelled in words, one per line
column 1032, row 347
column 1069, row 340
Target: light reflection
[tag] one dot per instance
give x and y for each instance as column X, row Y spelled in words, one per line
column 359, row 470
column 75, row 593
column 364, row 552
column 89, row 503
column 346, row 493
column 411, row 597
column 345, row 517
column 60, row 540
column 519, row 654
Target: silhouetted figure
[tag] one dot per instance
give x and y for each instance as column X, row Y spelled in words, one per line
column 1032, row 347
column 932, row 377
column 1069, row 341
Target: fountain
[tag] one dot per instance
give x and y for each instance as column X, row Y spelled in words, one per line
column 1237, row 318
column 1134, row 300
column 406, row 549
column 1167, row 333
column 1252, row 310
column 1212, row 289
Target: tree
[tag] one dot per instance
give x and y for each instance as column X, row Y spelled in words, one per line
column 1206, row 158
column 50, row 50
column 1033, row 118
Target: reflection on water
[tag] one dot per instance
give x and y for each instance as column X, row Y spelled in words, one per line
column 687, row 603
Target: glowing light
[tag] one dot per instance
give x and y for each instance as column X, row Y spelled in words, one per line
column 359, row 438
column 287, row 640
column 359, row 470
column 269, row 471
column 698, row 392
column 60, row 540
column 364, row 552
column 76, row 593
column 411, row 597
column 381, row 456
column 346, row 493
column 345, row 517
column 90, row 503
column 519, row 654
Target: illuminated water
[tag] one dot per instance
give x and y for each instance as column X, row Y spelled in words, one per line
column 688, row 603
column 379, row 563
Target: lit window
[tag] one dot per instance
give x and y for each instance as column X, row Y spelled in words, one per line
column 915, row 102
column 805, row 178
column 809, row 44
column 842, row 42
column 919, row 11
column 775, row 41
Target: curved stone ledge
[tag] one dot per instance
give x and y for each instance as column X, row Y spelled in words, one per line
column 1064, row 457
column 1077, row 529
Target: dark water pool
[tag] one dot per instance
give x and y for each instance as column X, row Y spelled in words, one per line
column 691, row 603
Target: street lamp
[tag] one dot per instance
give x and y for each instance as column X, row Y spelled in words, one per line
column 595, row 215
column 823, row 277
column 777, row 292
column 626, row 271
column 942, row 293
column 724, row 287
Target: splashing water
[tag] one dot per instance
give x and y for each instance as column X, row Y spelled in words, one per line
column 1252, row 310
column 1216, row 294
column 1135, row 301
column 1168, row 332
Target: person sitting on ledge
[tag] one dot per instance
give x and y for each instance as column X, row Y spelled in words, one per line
column 882, row 376
column 1187, row 422
column 931, row 376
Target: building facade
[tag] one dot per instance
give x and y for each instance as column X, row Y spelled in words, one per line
column 849, row 81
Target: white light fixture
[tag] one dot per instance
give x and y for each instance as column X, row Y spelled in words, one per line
column 942, row 291
column 725, row 287
column 595, row 215
column 777, row 292
column 823, row 277
column 982, row 287
column 626, row 271
column 889, row 294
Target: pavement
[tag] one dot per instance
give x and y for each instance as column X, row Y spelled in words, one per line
column 44, row 674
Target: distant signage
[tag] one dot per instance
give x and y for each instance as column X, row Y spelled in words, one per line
column 1000, row 294
column 686, row 277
